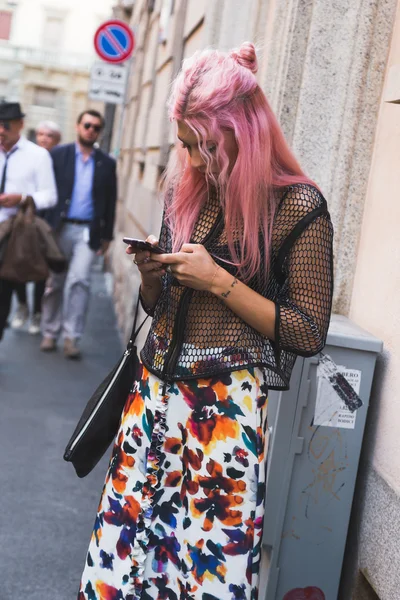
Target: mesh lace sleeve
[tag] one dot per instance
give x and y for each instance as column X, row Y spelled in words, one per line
column 304, row 305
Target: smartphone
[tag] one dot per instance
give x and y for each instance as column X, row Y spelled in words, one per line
column 142, row 245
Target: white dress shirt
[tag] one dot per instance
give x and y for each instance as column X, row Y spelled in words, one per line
column 30, row 173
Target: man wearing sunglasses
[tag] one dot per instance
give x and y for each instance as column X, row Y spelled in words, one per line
column 84, row 220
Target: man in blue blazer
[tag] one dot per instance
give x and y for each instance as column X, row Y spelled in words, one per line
column 84, row 222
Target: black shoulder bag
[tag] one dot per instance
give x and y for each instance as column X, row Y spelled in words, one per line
column 100, row 420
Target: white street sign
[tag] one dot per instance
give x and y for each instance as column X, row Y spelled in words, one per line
column 107, row 82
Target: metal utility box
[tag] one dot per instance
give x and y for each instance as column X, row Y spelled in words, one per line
column 313, row 458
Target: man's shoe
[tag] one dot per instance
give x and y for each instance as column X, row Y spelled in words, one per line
column 71, row 350
column 34, row 327
column 21, row 316
column 48, row 344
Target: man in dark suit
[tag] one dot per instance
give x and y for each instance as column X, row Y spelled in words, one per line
column 84, row 220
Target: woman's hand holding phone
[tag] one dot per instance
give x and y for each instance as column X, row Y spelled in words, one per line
column 150, row 270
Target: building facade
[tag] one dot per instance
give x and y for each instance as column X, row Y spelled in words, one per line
column 46, row 51
column 328, row 69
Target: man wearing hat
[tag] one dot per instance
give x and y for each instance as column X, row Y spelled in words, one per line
column 48, row 136
column 25, row 170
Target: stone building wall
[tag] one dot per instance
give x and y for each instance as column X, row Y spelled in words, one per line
column 49, row 74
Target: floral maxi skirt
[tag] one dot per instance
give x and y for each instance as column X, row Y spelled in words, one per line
column 181, row 512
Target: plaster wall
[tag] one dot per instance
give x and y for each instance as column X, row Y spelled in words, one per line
column 376, row 291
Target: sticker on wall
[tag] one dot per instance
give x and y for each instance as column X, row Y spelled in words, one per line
column 337, row 395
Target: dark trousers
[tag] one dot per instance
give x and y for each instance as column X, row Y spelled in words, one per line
column 39, row 288
column 6, row 289
column 20, row 290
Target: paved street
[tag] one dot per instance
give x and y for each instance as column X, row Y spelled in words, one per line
column 47, row 513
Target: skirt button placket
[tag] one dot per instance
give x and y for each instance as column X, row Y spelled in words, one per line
column 139, row 551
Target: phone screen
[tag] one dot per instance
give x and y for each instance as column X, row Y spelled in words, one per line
column 143, row 245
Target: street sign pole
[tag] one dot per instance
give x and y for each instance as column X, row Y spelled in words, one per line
column 117, row 149
column 114, row 42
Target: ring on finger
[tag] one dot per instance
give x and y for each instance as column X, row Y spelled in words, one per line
column 140, row 262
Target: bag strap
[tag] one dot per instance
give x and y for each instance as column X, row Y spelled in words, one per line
column 135, row 332
column 26, row 210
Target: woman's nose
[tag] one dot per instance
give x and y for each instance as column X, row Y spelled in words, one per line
column 196, row 160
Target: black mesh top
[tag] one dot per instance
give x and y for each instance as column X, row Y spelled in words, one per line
column 194, row 334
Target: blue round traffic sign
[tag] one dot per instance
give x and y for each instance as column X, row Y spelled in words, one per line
column 114, row 41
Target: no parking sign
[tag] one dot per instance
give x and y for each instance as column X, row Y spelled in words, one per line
column 114, row 41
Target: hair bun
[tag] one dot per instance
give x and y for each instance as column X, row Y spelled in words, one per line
column 246, row 56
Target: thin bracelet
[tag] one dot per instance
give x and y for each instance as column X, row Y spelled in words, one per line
column 147, row 308
column 212, row 280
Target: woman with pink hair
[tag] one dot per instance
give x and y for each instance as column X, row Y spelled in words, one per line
column 244, row 286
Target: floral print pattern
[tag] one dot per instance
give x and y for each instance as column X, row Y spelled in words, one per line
column 181, row 512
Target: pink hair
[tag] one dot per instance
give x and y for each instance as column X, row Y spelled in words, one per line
column 216, row 92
